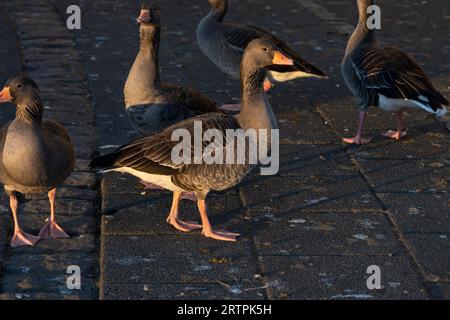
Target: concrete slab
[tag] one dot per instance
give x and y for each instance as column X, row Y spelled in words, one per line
column 352, row 234
column 180, row 258
column 341, row 278
column 419, row 212
column 316, row 193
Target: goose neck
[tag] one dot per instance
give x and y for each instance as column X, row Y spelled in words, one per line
column 149, row 52
column 31, row 110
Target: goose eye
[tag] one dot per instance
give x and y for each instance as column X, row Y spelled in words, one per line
column 19, row 86
column 265, row 49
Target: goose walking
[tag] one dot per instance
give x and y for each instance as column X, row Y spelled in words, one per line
column 151, row 105
column 224, row 44
column 35, row 156
column 150, row 158
column 385, row 77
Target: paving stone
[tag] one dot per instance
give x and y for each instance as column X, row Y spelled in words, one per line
column 182, row 291
column 317, row 193
column 32, row 296
column 47, row 286
column 307, row 160
column 430, row 145
column 82, row 179
column 56, row 264
column 82, row 165
column 64, row 207
column 4, row 223
column 168, row 258
column 303, row 126
column 340, row 278
column 407, row 176
column 440, row 291
column 118, row 183
column 419, row 212
column 433, row 254
column 355, row 234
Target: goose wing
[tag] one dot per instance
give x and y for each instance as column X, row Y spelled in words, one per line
column 153, row 154
column 396, row 75
column 241, row 35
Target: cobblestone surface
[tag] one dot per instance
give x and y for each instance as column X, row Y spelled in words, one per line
column 47, row 53
column 309, row 233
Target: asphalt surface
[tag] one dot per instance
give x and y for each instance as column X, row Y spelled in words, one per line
column 312, row 231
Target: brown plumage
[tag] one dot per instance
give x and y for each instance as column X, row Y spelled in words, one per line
column 224, row 44
column 385, row 77
column 36, row 155
column 151, row 158
column 150, row 104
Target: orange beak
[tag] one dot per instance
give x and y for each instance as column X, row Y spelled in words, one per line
column 281, row 59
column 144, row 17
column 5, row 95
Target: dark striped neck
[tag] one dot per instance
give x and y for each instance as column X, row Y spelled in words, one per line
column 31, row 111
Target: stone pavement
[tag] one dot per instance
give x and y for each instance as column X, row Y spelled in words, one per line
column 310, row 232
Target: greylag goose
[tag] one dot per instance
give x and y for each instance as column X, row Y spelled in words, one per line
column 224, row 44
column 150, row 104
column 151, row 159
column 36, row 156
column 385, row 77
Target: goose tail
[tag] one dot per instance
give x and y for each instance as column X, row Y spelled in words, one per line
column 104, row 163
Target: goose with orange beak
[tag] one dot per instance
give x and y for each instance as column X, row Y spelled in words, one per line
column 150, row 158
column 224, row 44
column 35, row 156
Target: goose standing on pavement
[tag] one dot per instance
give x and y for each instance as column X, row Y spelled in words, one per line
column 224, row 44
column 35, row 156
column 385, row 77
column 151, row 159
column 150, row 104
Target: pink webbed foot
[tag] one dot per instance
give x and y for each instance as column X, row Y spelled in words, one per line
column 150, row 186
column 184, row 226
column 356, row 140
column 221, row 235
column 397, row 135
column 189, row 196
column 21, row 239
column 53, row 231
column 231, row 107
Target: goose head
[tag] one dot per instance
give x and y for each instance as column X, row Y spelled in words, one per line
column 263, row 53
column 150, row 16
column 362, row 7
column 20, row 91
column 219, row 8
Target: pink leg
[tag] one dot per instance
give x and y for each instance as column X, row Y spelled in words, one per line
column 20, row 238
column 184, row 226
column 267, row 85
column 358, row 139
column 207, row 228
column 231, row 107
column 151, row 186
column 52, row 230
column 401, row 131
